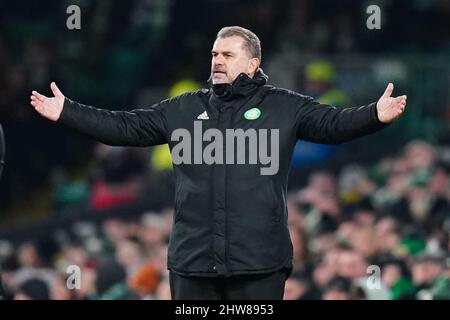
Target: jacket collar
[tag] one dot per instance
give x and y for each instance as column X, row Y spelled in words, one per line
column 242, row 86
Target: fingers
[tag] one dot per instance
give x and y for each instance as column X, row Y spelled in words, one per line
column 35, row 101
column 36, row 104
column 55, row 90
column 387, row 93
column 401, row 100
column 38, row 96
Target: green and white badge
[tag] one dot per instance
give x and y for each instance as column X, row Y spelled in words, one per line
column 252, row 114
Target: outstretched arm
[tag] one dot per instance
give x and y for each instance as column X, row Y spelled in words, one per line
column 135, row 128
column 322, row 123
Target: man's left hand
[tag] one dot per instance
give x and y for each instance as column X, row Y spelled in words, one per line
column 390, row 108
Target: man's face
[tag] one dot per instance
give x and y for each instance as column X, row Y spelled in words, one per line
column 229, row 59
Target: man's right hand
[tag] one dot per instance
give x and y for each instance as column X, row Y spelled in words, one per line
column 49, row 108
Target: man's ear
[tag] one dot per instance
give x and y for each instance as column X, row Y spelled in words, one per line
column 253, row 65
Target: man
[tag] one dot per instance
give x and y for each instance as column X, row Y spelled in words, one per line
column 230, row 238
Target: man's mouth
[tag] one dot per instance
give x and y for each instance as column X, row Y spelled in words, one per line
column 218, row 72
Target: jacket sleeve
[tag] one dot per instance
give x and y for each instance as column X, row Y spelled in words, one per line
column 321, row 123
column 139, row 127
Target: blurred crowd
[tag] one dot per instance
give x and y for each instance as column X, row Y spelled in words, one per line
column 389, row 222
column 379, row 231
column 119, row 260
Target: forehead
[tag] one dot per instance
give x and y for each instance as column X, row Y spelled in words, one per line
column 233, row 44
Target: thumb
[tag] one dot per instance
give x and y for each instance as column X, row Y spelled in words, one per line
column 387, row 93
column 55, row 90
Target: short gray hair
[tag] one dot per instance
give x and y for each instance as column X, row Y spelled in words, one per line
column 251, row 40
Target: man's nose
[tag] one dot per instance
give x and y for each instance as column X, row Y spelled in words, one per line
column 218, row 61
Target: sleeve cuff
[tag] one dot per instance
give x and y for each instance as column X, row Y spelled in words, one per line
column 374, row 114
column 66, row 111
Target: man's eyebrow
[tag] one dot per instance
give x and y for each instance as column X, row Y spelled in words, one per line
column 223, row 52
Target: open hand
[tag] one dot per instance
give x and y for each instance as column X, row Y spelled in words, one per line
column 49, row 108
column 390, row 108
